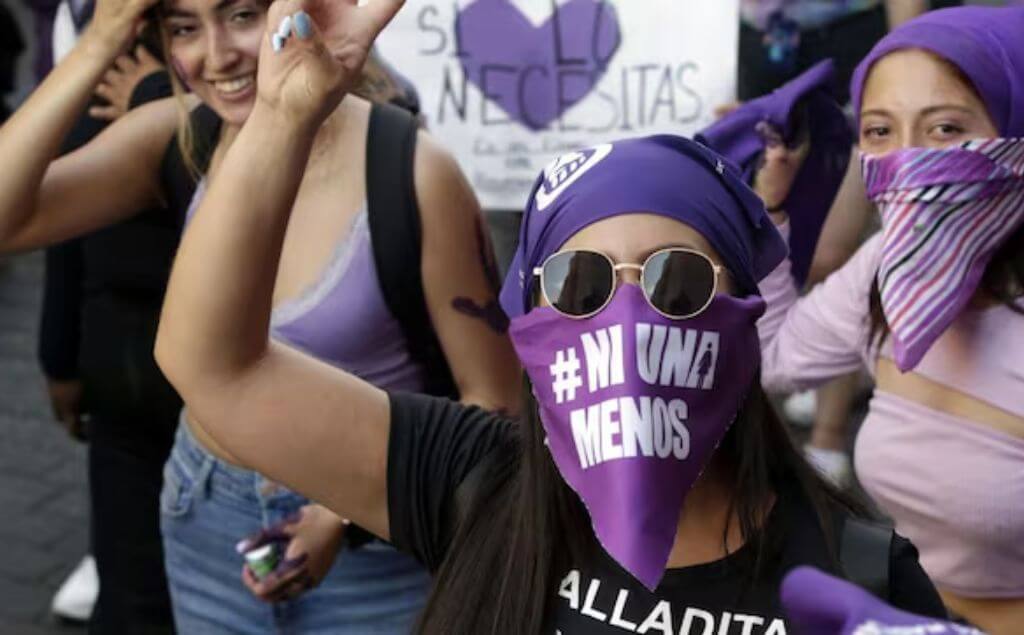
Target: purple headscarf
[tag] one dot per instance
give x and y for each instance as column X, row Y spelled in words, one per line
column 818, row 181
column 666, row 175
column 986, row 44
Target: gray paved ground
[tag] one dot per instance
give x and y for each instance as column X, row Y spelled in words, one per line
column 44, row 524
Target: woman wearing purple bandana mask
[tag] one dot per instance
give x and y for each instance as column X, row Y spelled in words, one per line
column 649, row 488
column 932, row 304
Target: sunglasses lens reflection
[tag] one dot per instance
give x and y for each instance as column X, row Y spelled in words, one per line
column 578, row 283
column 679, row 283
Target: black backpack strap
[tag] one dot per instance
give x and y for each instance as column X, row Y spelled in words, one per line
column 865, row 550
column 179, row 183
column 395, row 233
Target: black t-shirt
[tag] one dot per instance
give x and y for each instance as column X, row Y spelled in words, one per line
column 101, row 306
column 436, row 443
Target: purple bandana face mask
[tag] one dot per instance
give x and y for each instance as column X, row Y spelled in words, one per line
column 944, row 212
column 634, row 404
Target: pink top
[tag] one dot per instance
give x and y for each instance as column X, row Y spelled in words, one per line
column 953, row 486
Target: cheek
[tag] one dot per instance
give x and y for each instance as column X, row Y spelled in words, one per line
column 872, row 146
column 726, row 284
column 179, row 69
column 186, row 65
column 249, row 42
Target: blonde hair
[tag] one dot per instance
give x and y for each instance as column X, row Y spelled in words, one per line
column 185, row 134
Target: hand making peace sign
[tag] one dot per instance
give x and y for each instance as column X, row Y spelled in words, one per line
column 313, row 53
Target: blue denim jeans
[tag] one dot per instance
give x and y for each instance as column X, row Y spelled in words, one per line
column 207, row 505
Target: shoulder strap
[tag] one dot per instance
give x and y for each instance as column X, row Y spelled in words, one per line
column 865, row 550
column 395, row 233
column 178, row 181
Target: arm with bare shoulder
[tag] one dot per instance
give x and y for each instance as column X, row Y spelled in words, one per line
column 461, row 283
column 105, row 181
column 301, row 422
column 35, row 189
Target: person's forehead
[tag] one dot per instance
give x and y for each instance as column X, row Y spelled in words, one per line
column 197, row 6
column 634, row 236
column 915, row 75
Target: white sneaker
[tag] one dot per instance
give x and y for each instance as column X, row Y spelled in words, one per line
column 833, row 465
column 76, row 597
column 800, row 408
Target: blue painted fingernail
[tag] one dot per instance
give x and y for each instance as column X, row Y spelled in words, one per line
column 303, row 25
column 277, row 42
column 285, row 28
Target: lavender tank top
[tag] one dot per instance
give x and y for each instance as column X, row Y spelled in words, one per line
column 342, row 318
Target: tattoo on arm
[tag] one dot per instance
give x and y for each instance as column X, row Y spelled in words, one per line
column 490, row 312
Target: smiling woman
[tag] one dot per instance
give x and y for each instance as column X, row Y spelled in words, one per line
column 214, row 48
column 328, row 295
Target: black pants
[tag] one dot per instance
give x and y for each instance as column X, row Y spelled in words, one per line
column 124, row 493
column 134, row 413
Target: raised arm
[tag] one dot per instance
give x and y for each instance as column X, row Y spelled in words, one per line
column 806, row 341
column 301, row 422
column 107, row 180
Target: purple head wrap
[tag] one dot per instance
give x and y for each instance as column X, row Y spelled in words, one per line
column 818, row 181
column 985, row 43
column 666, row 175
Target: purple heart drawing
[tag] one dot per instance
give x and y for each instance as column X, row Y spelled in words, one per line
column 536, row 73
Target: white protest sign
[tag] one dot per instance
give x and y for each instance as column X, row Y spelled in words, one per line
column 509, row 85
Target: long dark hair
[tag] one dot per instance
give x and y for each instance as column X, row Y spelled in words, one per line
column 1003, row 281
column 524, row 528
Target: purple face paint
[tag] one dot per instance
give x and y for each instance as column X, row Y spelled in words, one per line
column 634, row 405
column 944, row 212
column 819, row 604
column 179, row 70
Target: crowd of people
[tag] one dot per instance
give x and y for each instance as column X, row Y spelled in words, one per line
column 273, row 310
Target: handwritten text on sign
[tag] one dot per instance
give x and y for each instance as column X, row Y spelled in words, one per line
column 509, row 85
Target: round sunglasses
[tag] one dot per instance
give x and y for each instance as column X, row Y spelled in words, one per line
column 678, row 283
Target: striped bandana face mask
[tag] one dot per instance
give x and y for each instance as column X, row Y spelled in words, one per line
column 944, row 214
